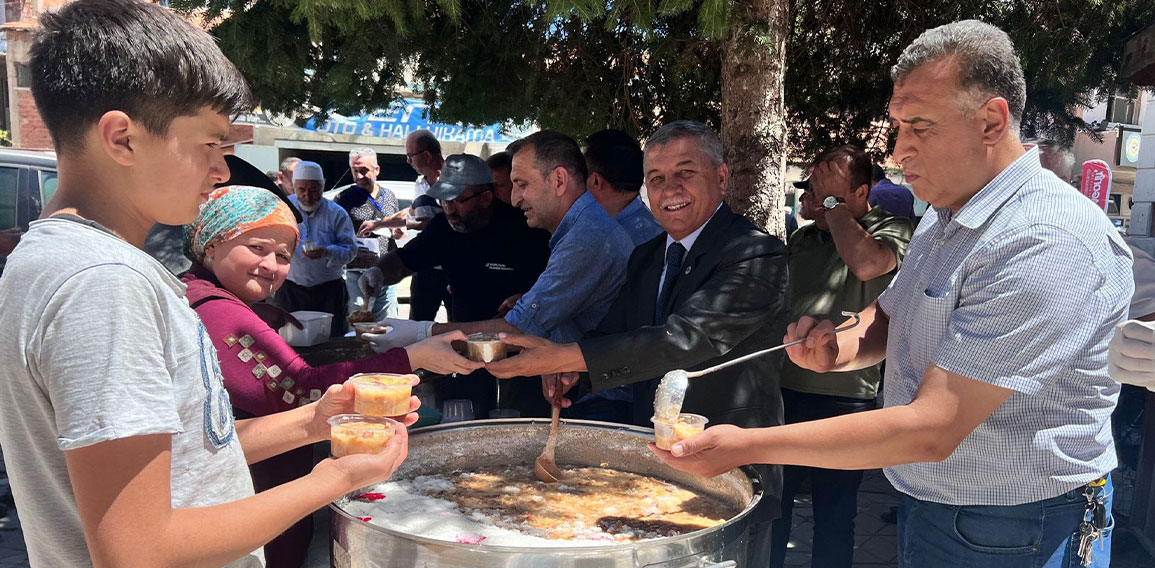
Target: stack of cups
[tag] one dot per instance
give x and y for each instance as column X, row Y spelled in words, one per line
column 379, row 399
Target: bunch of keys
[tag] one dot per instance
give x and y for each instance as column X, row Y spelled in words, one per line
column 1091, row 530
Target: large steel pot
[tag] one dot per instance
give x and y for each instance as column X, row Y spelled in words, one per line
column 467, row 446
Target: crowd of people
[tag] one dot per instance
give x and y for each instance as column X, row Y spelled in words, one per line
column 161, row 421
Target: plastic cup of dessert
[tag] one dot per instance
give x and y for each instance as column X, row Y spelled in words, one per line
column 363, row 327
column 382, row 394
column 484, row 347
column 668, row 433
column 360, row 434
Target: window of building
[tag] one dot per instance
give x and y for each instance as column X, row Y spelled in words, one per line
column 1123, row 108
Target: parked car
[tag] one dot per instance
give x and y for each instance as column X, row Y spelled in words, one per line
column 27, row 181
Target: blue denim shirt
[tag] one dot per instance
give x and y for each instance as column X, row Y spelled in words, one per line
column 587, row 266
column 329, row 226
column 638, row 222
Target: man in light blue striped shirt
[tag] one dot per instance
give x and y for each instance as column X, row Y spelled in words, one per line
column 995, row 332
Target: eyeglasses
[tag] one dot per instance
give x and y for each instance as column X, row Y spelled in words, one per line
column 409, row 157
column 460, row 201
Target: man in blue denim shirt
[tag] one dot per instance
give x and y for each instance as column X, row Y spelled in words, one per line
column 588, row 249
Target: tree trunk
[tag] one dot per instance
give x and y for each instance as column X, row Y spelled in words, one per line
column 753, row 111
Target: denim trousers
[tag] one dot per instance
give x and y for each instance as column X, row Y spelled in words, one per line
column 834, row 491
column 1042, row 534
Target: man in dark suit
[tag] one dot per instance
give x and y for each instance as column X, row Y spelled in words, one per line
column 710, row 289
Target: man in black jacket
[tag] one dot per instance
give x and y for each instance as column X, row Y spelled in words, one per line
column 710, row 289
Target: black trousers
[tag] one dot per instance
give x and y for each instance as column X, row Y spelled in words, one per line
column 329, row 297
column 834, row 491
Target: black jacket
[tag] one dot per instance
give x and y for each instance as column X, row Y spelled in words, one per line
column 730, row 300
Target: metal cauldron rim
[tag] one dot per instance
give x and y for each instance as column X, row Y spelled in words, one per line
column 751, row 474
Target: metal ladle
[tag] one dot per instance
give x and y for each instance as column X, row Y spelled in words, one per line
column 671, row 391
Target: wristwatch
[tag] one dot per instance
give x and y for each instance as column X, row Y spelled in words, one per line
column 832, row 202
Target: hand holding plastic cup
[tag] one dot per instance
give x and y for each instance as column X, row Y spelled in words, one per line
column 382, row 394
column 358, row 434
column 666, row 434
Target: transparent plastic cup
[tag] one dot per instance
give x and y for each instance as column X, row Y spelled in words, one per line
column 359, row 434
column 382, row 394
column 504, row 413
column 666, row 434
column 484, row 347
column 456, row 410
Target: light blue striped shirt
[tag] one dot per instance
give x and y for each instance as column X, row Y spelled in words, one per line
column 1020, row 289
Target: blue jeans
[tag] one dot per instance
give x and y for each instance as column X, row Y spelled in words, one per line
column 1033, row 535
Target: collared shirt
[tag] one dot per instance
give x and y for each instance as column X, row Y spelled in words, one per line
column 328, row 226
column 1020, row 289
column 364, row 207
column 686, row 241
column 822, row 286
column 638, row 222
column 587, row 266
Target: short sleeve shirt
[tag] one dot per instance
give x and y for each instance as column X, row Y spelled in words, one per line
column 1021, row 289
column 100, row 344
column 483, row 267
column 822, row 286
column 363, row 207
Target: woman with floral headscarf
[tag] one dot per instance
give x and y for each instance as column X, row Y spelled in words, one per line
column 240, row 245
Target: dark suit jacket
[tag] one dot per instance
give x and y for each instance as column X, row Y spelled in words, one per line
column 730, row 300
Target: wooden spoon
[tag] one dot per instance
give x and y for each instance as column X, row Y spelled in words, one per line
column 545, row 468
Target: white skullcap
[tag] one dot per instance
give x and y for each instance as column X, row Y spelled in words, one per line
column 306, row 170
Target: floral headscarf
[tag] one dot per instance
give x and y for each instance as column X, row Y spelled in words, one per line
column 231, row 211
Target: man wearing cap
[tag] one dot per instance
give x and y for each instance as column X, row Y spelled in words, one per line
column 316, row 277
column 840, row 262
column 488, row 253
column 890, row 196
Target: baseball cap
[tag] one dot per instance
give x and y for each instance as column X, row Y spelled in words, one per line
column 459, row 172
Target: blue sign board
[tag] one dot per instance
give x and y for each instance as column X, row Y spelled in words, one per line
column 405, row 116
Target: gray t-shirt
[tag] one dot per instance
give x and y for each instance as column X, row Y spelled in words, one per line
column 99, row 344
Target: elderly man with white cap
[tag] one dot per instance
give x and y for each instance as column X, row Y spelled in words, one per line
column 316, row 278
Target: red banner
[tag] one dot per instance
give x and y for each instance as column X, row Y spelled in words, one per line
column 1096, row 182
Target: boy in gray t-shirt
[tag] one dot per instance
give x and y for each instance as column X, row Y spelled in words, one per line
column 118, row 434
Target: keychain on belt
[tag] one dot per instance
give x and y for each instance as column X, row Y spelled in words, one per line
column 1094, row 521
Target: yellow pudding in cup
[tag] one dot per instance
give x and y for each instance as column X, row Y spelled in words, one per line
column 666, row 434
column 382, row 394
column 357, row 434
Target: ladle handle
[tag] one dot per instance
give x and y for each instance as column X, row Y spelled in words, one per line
column 747, row 357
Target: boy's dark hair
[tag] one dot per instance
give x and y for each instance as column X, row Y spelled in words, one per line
column 95, row 56
column 616, row 156
column 857, row 162
column 552, row 149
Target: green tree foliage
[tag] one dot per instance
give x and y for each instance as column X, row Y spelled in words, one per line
column 582, row 65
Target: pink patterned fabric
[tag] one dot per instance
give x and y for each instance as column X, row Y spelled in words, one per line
column 228, row 320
